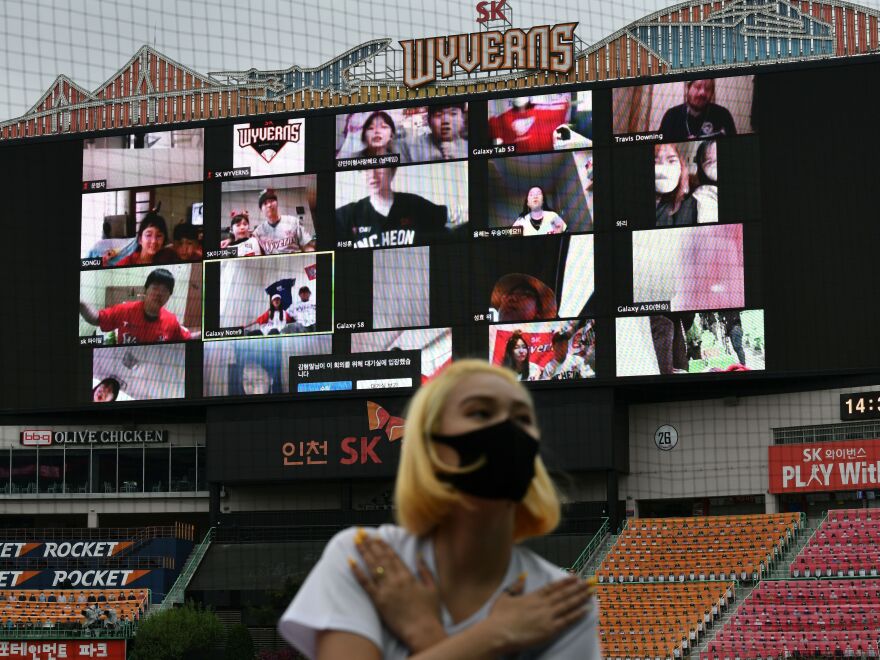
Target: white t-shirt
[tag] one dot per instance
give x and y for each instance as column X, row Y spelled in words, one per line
column 534, row 372
column 305, row 313
column 331, row 599
column 285, row 237
column 572, row 367
column 551, row 223
column 707, row 203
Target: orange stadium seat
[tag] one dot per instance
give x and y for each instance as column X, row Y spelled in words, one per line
column 712, row 547
column 658, row 620
column 16, row 605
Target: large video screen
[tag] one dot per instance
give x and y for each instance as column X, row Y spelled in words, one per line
column 642, row 234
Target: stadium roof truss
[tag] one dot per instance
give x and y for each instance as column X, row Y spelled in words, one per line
column 152, row 89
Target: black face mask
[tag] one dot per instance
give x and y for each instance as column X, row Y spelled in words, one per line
column 509, row 465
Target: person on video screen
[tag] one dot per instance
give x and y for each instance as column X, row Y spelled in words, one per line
column 517, row 355
column 445, row 140
column 706, row 193
column 185, row 247
column 305, row 310
column 143, row 321
column 565, row 365
column 537, row 218
column 280, row 234
column 583, row 343
column 669, row 334
column 106, row 391
column 378, row 135
column 520, row 297
column 387, row 218
column 274, row 319
column 240, row 231
column 733, row 327
column 255, row 379
column 529, row 126
column 674, row 204
column 699, row 116
column 151, row 237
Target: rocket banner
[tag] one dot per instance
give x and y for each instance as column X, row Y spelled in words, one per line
column 828, row 466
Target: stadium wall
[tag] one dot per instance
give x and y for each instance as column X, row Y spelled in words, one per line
column 722, row 445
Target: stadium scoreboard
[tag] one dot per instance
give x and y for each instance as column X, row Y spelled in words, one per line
column 650, row 231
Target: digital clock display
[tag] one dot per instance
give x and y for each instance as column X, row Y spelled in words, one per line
column 860, row 405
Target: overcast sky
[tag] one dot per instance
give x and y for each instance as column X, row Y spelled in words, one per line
column 89, row 40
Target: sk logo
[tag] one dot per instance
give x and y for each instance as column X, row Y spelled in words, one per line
column 491, row 11
column 379, row 418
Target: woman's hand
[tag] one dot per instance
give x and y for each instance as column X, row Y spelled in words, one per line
column 408, row 605
column 527, row 621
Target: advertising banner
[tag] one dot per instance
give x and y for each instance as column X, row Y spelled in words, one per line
column 113, row 649
column 91, row 578
column 819, row 467
column 351, row 438
column 62, row 549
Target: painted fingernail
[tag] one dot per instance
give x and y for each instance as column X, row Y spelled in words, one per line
column 523, row 575
column 360, row 535
column 352, row 562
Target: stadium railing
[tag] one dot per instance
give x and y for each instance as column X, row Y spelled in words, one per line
column 176, row 594
column 579, row 563
column 183, row 531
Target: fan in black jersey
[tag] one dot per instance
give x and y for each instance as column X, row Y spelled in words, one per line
column 387, row 218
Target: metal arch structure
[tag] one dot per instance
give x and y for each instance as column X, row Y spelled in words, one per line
column 693, row 36
column 152, row 90
column 333, row 75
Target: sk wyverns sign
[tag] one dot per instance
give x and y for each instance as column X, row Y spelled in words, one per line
column 267, row 139
column 852, row 465
column 541, row 48
column 46, row 437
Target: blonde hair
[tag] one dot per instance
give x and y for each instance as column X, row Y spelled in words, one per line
column 422, row 499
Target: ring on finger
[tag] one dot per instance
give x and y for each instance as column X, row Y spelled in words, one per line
column 379, row 573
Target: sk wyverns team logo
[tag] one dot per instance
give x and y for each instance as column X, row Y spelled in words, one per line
column 379, row 418
column 268, row 138
column 542, row 47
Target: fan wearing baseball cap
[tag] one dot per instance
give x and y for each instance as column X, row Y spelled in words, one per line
column 565, row 365
column 274, row 319
column 280, row 234
column 521, row 297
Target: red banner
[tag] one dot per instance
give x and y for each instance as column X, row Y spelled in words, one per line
column 112, row 649
column 810, row 468
column 540, row 346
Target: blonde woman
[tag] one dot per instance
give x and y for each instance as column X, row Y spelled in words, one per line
column 451, row 581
